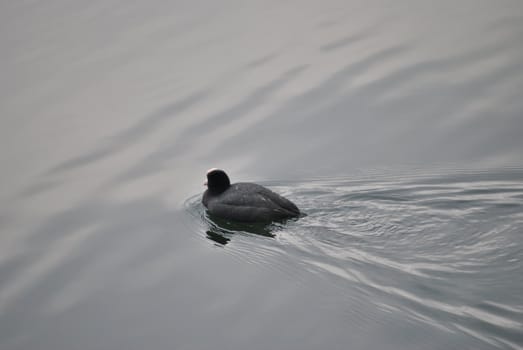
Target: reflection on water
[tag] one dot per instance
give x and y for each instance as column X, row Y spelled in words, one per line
column 222, row 231
column 218, row 237
column 223, row 227
column 111, row 111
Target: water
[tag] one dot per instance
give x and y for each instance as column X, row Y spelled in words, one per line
column 395, row 127
column 440, row 249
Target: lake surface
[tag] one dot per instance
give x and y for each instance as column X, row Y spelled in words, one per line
column 396, row 127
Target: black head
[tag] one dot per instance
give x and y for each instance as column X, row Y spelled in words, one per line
column 217, row 181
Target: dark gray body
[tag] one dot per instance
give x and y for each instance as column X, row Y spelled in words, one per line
column 249, row 202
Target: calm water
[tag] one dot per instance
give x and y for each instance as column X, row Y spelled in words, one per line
column 395, row 126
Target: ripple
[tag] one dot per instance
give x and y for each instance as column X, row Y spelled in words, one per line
column 436, row 247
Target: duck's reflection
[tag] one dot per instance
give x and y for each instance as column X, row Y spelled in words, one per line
column 217, row 237
column 221, row 231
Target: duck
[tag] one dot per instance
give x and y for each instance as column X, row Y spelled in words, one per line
column 244, row 201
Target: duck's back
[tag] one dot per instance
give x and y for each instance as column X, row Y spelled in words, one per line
column 250, row 202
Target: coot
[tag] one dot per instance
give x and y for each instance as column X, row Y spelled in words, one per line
column 243, row 201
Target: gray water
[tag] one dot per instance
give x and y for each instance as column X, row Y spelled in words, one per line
column 396, row 127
